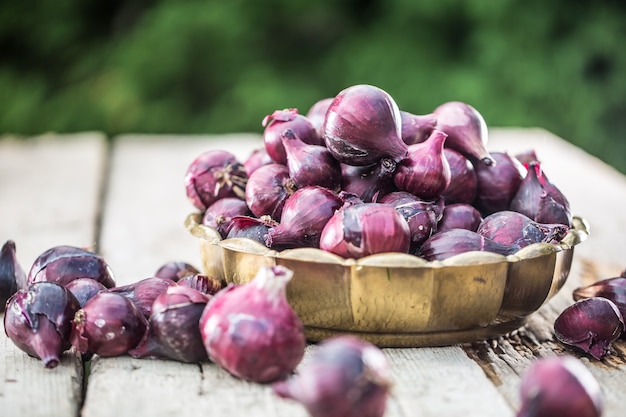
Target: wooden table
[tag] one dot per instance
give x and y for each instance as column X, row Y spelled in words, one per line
column 127, row 201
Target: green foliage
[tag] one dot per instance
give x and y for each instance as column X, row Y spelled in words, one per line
column 212, row 66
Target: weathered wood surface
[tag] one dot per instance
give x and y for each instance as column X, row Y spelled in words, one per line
column 134, row 215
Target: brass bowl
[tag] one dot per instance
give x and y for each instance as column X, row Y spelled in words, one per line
column 401, row 300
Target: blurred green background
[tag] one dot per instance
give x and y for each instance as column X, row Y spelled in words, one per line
column 214, row 66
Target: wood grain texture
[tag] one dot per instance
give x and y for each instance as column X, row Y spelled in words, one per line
column 49, row 195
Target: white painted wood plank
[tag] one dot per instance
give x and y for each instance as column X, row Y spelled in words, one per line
column 49, row 191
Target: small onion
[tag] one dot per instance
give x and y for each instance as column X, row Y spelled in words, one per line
column 37, row 320
column 590, row 325
column 456, row 241
column 276, row 123
column 466, row 129
column 425, row 172
column 12, row 275
column 143, row 292
column 612, row 288
column 175, row 270
column 267, row 190
column 416, row 128
column 219, row 214
column 305, row 214
column 214, row 175
column 459, row 216
column 510, row 227
column 84, row 289
column 365, row 229
column 251, row 331
column 463, row 181
column 251, row 228
column 497, row 185
column 560, row 386
column 257, row 159
column 363, row 125
column 345, row 377
column 369, row 183
column 317, row 115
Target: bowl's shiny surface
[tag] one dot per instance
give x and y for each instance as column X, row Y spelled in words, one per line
column 396, row 299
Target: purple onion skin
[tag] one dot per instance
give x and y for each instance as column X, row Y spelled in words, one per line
column 363, row 125
column 425, row 172
column 251, row 228
column 257, row 159
column 174, row 331
column 276, row 123
column 466, row 129
column 175, row 270
column 366, row 229
column 251, row 331
column 109, row 324
column 143, row 292
column 455, row 241
column 85, row 289
column 497, row 185
column 310, row 164
column 591, row 325
column 463, row 181
column 345, row 377
column 421, row 216
column 267, row 190
column 416, row 128
column 202, row 283
column 305, row 214
column 513, row 228
column 459, row 216
column 219, row 214
column 12, row 275
column 213, row 175
column 37, row 320
column 560, row 386
column 62, row 264
column 369, row 183
column 613, row 289
column 317, row 115
column 541, row 200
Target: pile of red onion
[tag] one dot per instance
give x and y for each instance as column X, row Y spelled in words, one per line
column 332, row 179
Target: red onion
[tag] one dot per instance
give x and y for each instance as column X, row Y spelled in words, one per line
column 463, row 181
column 541, row 200
column 84, row 289
column 421, row 216
column 416, row 128
column 317, row 115
column 365, row 229
column 466, row 129
column 175, row 270
column 363, row 125
column 109, row 324
column 560, row 386
column 214, row 175
column 497, row 185
column 369, row 183
column 612, row 288
column 257, row 159
column 143, row 292
column 63, row 264
column 345, row 377
column 267, row 190
column 12, row 275
column 251, row 228
column 425, row 172
column 251, row 330
column 202, row 283
column 174, row 330
column 310, row 164
column 455, row 241
column 37, row 320
column 591, row 325
column 305, row 214
column 510, row 227
column 219, row 214
column 459, row 216
column 276, row 123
